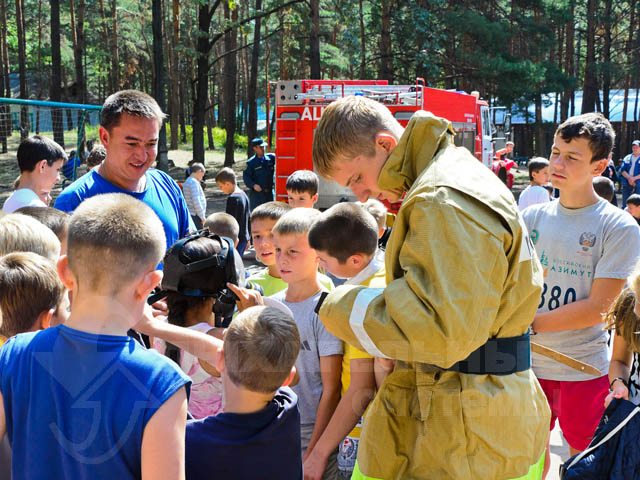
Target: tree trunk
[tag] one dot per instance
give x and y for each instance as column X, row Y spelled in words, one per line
column 314, row 40
column 5, row 87
column 158, row 87
column 203, row 47
column 56, row 72
column 22, row 68
column 568, row 57
column 174, row 101
column 386, row 71
column 363, row 43
column 590, row 85
column 230, row 72
column 115, row 57
column 606, row 54
column 252, row 123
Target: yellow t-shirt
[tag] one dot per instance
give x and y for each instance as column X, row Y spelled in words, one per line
column 272, row 285
column 377, row 280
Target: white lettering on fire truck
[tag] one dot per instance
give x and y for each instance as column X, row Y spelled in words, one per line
column 307, row 114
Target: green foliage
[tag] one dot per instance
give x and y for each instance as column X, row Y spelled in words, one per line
column 219, row 137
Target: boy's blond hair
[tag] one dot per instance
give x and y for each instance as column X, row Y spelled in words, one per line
column 29, row 285
column 377, row 210
column 296, row 221
column 226, row 175
column 56, row 220
column 270, row 210
column 20, row 233
column 223, row 224
column 348, row 128
column 344, row 230
column 260, row 347
column 113, row 239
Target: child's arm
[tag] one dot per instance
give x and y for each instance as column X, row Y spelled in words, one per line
column 350, row 409
column 583, row 313
column 621, row 359
column 201, row 345
column 330, row 370
column 162, row 452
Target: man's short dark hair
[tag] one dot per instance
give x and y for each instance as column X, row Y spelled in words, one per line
column 604, row 188
column 595, row 128
column 302, row 181
column 36, row 148
column 343, row 230
column 270, row 210
column 536, row 164
column 634, row 200
column 131, row 102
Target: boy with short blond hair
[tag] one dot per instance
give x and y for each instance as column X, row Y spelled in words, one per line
column 56, row 220
column 345, row 238
column 237, row 205
column 115, row 244
column 30, row 292
column 224, row 225
column 320, row 358
column 258, row 434
column 302, row 189
column 21, row 233
column 263, row 219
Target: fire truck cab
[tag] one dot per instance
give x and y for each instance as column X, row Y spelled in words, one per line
column 299, row 105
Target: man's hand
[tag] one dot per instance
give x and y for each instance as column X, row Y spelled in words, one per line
column 257, row 188
column 246, row 298
column 314, row 466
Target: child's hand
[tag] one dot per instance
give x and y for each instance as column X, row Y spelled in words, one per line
column 314, row 467
column 385, row 364
column 246, row 298
column 619, row 391
column 146, row 323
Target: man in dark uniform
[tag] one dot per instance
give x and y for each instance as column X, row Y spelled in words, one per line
column 258, row 176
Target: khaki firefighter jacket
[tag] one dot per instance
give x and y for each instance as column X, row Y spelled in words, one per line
column 460, row 270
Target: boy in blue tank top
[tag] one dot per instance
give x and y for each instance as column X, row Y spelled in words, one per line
column 93, row 401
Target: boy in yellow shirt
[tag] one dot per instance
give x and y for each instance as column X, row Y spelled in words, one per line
column 345, row 238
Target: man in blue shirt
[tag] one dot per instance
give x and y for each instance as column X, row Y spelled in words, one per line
column 130, row 125
column 258, row 176
column 630, row 172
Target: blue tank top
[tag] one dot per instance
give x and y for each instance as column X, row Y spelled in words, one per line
column 77, row 403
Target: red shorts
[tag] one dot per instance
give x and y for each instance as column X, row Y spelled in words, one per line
column 578, row 406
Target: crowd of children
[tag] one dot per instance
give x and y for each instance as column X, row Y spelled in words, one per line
column 216, row 380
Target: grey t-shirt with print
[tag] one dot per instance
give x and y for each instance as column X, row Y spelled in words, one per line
column 575, row 247
column 315, row 342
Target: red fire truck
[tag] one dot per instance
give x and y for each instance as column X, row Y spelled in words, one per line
column 299, row 105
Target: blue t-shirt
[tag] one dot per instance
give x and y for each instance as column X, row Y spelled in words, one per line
column 77, row 403
column 162, row 194
column 264, row 444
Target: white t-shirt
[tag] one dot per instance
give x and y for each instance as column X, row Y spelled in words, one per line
column 575, row 247
column 23, row 197
column 533, row 195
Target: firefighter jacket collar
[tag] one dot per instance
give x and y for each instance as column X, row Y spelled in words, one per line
column 424, row 136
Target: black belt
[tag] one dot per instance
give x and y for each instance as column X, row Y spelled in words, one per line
column 499, row 356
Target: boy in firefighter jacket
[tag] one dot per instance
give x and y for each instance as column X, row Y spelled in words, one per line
column 463, row 285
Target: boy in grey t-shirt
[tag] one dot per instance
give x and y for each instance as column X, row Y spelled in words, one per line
column 319, row 362
column 587, row 248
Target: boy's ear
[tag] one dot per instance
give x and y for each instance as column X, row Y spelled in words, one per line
column 220, row 365
column 64, row 272
column 598, row 166
column 40, row 166
column 314, row 199
column 147, row 283
column 386, row 141
column 292, row 374
column 44, row 320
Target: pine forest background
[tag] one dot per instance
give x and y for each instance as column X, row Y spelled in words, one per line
column 207, row 62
